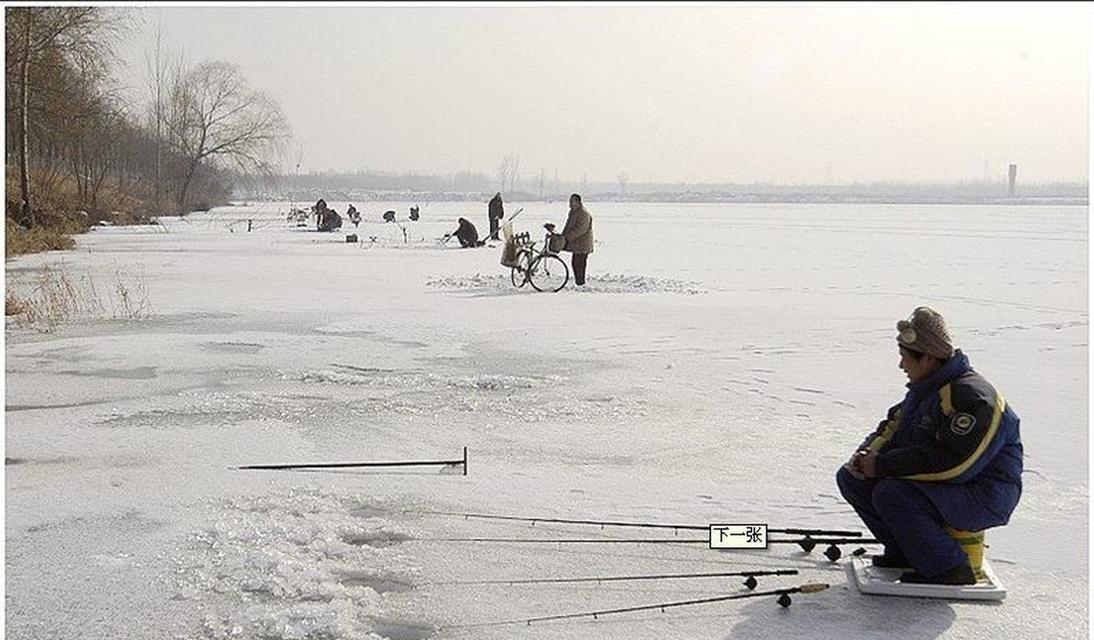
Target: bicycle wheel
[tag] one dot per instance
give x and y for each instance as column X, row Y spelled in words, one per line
column 516, row 274
column 548, row 273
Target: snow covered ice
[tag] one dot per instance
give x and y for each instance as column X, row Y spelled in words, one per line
column 721, row 364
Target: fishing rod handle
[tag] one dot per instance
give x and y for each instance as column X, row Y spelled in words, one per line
column 813, row 587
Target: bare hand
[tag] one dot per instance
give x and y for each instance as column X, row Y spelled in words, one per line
column 866, row 463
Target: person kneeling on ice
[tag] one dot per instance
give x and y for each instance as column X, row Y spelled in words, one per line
column 945, row 463
column 466, row 233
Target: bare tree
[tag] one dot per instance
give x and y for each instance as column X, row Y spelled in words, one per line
column 39, row 42
column 89, row 137
column 503, row 172
column 507, row 171
column 164, row 68
column 215, row 116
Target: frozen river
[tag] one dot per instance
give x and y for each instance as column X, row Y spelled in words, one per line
column 719, row 366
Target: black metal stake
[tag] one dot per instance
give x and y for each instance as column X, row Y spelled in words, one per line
column 346, row 465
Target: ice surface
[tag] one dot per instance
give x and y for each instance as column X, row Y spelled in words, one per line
column 720, row 364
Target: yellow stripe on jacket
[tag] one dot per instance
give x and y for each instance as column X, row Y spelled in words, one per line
column 890, row 428
column 945, row 396
column 996, row 418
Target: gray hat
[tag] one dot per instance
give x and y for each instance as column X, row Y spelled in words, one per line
column 925, row 331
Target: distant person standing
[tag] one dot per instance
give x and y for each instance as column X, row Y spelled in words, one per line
column 496, row 213
column 578, row 235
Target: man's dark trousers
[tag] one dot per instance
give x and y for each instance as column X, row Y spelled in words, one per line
column 904, row 519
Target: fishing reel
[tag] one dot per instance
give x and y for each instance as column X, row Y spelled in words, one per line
column 833, row 551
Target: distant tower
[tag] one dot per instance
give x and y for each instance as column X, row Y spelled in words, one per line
column 1013, row 174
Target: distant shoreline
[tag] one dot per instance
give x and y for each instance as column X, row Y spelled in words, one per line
column 304, row 198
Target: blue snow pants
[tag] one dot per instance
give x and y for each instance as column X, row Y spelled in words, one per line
column 903, row 518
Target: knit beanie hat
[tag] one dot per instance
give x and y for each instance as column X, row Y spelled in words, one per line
column 925, row 331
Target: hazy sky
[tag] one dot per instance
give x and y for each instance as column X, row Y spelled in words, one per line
column 713, row 92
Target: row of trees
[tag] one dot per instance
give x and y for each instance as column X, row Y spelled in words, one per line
column 68, row 125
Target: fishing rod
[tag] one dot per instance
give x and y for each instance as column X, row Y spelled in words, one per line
column 833, row 552
column 646, row 525
column 569, row 540
column 811, row 543
column 344, row 465
column 750, row 582
column 514, row 216
column 448, row 236
column 783, row 601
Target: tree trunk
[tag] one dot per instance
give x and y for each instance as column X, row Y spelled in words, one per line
column 159, row 166
column 186, row 186
column 24, row 106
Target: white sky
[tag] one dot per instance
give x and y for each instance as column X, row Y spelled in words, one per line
column 724, row 93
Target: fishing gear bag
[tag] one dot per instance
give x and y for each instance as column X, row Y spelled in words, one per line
column 557, row 243
column 510, row 257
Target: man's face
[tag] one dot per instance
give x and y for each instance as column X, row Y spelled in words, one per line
column 917, row 366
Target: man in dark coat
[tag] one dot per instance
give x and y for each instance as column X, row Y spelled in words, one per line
column 496, row 213
column 945, row 464
column 331, row 220
column 320, row 211
column 578, row 238
column 467, row 234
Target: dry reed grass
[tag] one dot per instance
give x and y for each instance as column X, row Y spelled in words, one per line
column 54, row 297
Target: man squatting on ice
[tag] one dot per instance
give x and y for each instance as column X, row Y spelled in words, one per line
column 466, row 233
column 945, row 462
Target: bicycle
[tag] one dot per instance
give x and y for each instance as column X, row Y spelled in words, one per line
column 542, row 268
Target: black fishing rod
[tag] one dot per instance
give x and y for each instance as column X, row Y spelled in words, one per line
column 346, row 465
column 783, row 600
column 570, row 540
column 807, row 544
column 645, row 525
column 811, row 543
column 750, row 582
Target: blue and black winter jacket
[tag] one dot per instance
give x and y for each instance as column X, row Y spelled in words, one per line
column 954, row 429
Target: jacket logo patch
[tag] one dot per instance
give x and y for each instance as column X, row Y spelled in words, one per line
column 962, row 423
